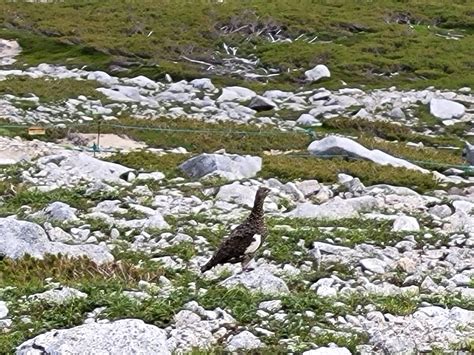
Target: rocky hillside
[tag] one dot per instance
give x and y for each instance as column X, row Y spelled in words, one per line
column 149, row 159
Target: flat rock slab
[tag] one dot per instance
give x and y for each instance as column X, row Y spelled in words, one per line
column 126, row 336
column 336, row 208
column 229, row 166
column 334, row 146
column 446, row 109
column 71, row 167
column 259, row 280
column 18, row 238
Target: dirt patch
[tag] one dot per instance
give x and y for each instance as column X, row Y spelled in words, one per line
column 107, row 141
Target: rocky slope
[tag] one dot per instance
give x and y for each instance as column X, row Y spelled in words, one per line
column 115, row 250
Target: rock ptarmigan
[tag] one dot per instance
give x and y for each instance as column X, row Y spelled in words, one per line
column 243, row 242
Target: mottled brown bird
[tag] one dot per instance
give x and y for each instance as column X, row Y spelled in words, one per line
column 243, row 242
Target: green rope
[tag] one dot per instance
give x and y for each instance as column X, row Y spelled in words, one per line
column 310, row 132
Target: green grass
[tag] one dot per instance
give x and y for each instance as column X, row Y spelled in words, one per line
column 289, row 168
column 391, row 131
column 49, row 90
column 102, row 284
column 147, row 161
column 38, row 199
column 361, row 42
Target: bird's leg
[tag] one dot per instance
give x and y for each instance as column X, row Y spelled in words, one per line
column 245, row 261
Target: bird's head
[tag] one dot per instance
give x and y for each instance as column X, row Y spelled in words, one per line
column 262, row 192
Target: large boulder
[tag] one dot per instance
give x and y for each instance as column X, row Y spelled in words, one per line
column 238, row 194
column 70, row 168
column 125, row 336
column 203, row 84
column 232, row 167
column 59, row 212
column 258, row 280
column 243, row 341
column 341, row 146
column 318, row 72
column 18, row 238
column 236, row 93
column 446, row 109
column 468, row 153
column 260, row 103
column 336, row 208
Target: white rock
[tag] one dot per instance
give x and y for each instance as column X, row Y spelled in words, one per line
column 237, row 193
column 374, row 265
column 233, row 167
column 59, row 212
column 125, row 336
column 20, row 238
column 3, row 310
column 144, row 82
column 102, row 77
column 156, row 221
column 328, row 351
column 318, row 72
column 259, row 279
column 307, row 120
column 336, row 208
column 340, row 146
column 271, row 306
column 326, row 291
column 446, row 109
column 59, row 295
column 236, row 93
column 203, row 84
column 397, row 113
column 406, row 224
column 244, row 341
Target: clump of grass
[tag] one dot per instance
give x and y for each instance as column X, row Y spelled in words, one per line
column 289, row 168
column 102, row 283
column 241, row 302
column 148, row 161
column 391, row 131
column 49, row 90
column 420, row 156
column 362, row 47
column 38, row 199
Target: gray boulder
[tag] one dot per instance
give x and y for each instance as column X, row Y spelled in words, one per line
column 72, row 167
column 307, row 120
column 19, row 238
column 336, row 208
column 341, row 146
column 236, row 93
column 237, row 193
column 244, row 341
column 59, row 295
column 406, row 224
column 231, row 167
column 59, row 212
column 126, row 336
column 260, row 280
column 468, row 153
column 318, row 72
column 260, row 103
column 203, row 84
column 446, row 109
